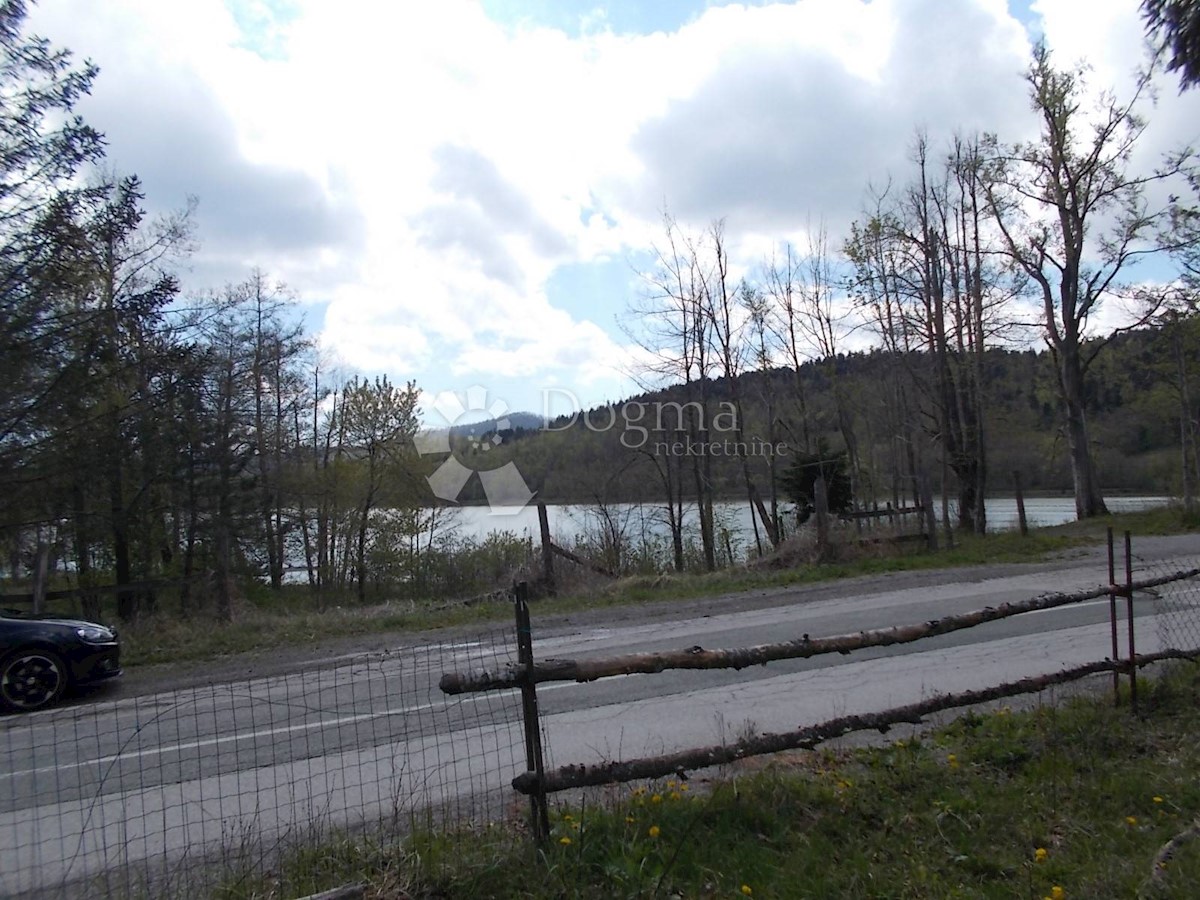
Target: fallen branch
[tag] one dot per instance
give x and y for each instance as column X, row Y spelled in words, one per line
column 806, row 738
column 1165, row 853
column 1153, row 885
column 583, row 670
column 349, row 892
column 580, row 561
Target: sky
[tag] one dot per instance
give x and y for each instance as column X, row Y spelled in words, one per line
column 466, row 192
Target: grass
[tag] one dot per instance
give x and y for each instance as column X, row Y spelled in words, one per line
column 1073, row 801
column 268, row 620
column 167, row 638
column 292, row 620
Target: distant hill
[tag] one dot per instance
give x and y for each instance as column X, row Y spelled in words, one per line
column 512, row 422
column 617, row 452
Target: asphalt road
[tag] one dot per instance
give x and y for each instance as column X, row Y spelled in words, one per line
column 131, row 777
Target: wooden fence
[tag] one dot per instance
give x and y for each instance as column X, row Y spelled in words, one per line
column 527, row 673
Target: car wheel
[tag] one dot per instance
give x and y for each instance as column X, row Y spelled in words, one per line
column 31, row 679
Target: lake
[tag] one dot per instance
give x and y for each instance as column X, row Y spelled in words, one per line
column 569, row 520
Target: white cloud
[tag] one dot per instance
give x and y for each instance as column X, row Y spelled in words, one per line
column 426, row 170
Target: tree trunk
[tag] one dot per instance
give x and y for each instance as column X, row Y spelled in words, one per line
column 361, row 556
column 224, row 569
column 1089, row 501
column 89, row 600
column 701, row 471
column 127, row 601
column 1186, row 447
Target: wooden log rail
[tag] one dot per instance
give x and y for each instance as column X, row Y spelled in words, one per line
column 677, row 764
column 583, row 670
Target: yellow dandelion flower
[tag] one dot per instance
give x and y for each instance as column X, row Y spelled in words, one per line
column 639, row 790
column 567, row 817
column 747, row 890
column 674, row 795
column 952, row 761
column 565, row 841
column 654, row 831
column 1040, row 854
column 657, row 798
column 1131, row 820
column 1158, row 799
column 1057, row 893
column 684, row 788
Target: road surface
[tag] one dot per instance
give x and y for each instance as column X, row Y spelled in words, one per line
column 141, row 779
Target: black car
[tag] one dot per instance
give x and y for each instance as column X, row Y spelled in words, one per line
column 40, row 658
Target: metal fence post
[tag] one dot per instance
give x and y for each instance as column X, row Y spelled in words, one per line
column 538, row 809
column 1133, row 700
column 1112, row 617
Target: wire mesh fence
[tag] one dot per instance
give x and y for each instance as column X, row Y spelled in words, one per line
column 1176, row 605
column 175, row 793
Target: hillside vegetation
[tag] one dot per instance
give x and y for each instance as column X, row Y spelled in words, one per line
column 600, row 454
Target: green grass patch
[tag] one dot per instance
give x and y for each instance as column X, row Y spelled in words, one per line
column 167, row 638
column 1071, row 802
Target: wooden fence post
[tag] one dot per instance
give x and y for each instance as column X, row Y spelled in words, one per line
column 534, row 763
column 1021, row 520
column 547, row 549
column 928, row 516
column 821, row 501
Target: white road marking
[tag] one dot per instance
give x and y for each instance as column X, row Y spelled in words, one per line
column 132, row 704
column 249, row 735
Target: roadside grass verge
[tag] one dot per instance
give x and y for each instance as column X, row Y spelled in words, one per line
column 266, row 620
column 1068, row 801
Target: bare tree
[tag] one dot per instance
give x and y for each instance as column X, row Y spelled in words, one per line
column 676, row 332
column 722, row 306
column 782, row 286
column 926, row 271
column 811, row 326
column 1074, row 217
column 758, row 307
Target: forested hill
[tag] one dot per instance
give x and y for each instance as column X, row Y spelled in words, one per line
column 619, row 452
